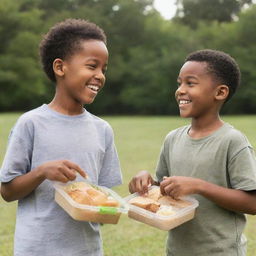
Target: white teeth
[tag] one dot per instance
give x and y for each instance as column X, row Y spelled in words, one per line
column 93, row 87
column 184, row 101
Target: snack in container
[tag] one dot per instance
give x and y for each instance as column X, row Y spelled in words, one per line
column 85, row 201
column 160, row 211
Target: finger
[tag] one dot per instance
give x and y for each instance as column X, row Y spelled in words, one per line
column 166, row 181
column 174, row 194
column 61, row 178
column 169, row 189
column 163, row 184
column 131, row 187
column 70, row 174
column 76, row 167
column 144, row 185
column 138, row 186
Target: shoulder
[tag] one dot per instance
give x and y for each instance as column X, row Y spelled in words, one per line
column 233, row 141
column 177, row 133
column 98, row 121
column 234, row 137
column 102, row 126
column 26, row 120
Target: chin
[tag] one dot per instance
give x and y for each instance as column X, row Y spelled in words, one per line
column 88, row 102
column 183, row 114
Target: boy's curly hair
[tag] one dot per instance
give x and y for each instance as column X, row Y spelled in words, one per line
column 64, row 39
column 221, row 65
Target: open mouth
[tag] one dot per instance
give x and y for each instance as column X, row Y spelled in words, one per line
column 184, row 102
column 94, row 88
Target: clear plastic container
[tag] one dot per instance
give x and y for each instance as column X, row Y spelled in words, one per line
column 163, row 222
column 82, row 212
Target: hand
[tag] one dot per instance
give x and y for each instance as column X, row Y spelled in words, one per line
column 60, row 170
column 177, row 186
column 141, row 182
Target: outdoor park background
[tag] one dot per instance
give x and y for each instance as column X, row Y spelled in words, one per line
column 146, row 52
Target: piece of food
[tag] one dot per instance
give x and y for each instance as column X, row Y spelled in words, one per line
column 155, row 202
column 84, row 193
column 145, row 203
column 167, row 200
column 165, row 210
column 154, row 194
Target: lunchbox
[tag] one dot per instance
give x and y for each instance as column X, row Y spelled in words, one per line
column 82, row 212
column 180, row 215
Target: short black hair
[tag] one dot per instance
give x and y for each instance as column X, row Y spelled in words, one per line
column 221, row 65
column 64, row 39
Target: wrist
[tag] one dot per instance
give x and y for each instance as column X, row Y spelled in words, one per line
column 201, row 187
column 39, row 173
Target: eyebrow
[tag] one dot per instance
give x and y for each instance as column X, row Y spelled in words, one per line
column 191, row 77
column 187, row 77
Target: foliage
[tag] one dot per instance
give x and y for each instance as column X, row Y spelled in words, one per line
column 190, row 11
column 146, row 51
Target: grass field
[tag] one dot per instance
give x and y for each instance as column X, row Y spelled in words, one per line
column 138, row 140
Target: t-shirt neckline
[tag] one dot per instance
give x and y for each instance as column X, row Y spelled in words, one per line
column 58, row 114
column 200, row 140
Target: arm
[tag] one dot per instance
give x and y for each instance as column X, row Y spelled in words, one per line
column 230, row 199
column 21, row 186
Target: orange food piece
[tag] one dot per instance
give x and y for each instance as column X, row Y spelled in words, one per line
column 84, row 193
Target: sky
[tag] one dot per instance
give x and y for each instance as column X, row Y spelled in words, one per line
column 167, row 8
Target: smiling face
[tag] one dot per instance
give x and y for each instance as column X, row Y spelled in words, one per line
column 196, row 93
column 81, row 76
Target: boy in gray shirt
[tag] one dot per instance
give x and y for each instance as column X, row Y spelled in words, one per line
column 55, row 141
column 209, row 159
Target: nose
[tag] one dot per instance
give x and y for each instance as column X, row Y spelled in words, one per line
column 100, row 76
column 180, row 90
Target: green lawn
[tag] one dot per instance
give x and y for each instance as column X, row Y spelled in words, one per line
column 138, row 140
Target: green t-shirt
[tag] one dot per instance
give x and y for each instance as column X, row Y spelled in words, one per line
column 225, row 158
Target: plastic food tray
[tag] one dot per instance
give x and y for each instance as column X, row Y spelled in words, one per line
column 82, row 212
column 168, row 222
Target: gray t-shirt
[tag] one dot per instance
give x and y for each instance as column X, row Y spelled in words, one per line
column 225, row 158
column 41, row 135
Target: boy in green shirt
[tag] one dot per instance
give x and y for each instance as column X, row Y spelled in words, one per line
column 209, row 159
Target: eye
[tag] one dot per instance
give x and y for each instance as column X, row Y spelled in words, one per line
column 91, row 66
column 191, row 83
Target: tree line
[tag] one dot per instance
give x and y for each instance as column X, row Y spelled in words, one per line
column 146, row 51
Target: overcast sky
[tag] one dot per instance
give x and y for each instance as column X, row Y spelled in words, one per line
column 167, row 8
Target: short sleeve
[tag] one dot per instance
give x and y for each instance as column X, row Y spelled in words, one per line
column 17, row 160
column 162, row 168
column 242, row 169
column 110, row 173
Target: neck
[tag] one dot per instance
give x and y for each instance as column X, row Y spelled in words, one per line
column 65, row 108
column 203, row 128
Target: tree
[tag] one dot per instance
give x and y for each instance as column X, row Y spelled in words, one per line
column 191, row 11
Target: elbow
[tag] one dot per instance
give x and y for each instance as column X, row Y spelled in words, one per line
column 5, row 195
column 251, row 210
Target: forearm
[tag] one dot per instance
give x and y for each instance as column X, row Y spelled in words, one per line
column 231, row 199
column 21, row 186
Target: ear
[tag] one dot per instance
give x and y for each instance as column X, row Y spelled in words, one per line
column 222, row 92
column 58, row 67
